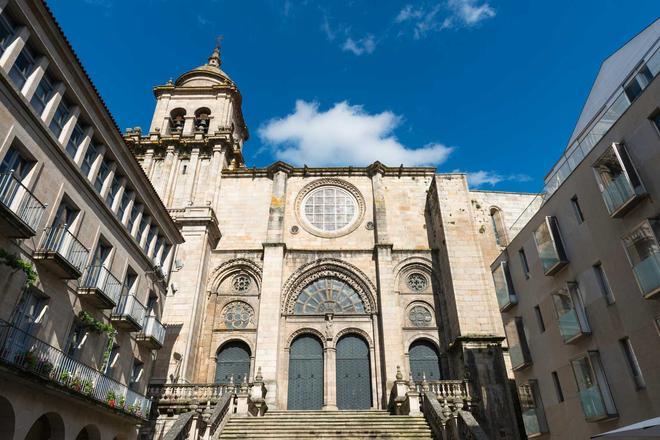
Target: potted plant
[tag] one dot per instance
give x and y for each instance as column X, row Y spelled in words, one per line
column 121, row 402
column 87, row 387
column 111, row 398
column 64, row 377
column 45, row 367
column 76, row 384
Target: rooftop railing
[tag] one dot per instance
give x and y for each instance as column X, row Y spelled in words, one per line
column 27, row 353
column 17, row 198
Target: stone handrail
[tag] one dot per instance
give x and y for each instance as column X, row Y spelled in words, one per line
column 181, row 427
column 187, row 393
column 469, row 428
column 434, row 415
column 220, row 415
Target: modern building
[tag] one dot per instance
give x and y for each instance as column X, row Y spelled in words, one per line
column 579, row 285
column 85, row 247
column 320, row 283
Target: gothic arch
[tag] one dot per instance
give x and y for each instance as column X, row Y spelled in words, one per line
column 228, row 268
column 305, row 331
column 328, row 267
column 354, row 331
column 235, row 338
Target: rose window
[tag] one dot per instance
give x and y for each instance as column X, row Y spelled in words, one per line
column 417, row 282
column 238, row 315
column 241, row 283
column 420, row 316
column 330, row 208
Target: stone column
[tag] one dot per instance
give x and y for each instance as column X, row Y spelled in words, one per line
column 215, row 176
column 390, row 324
column 271, row 290
column 164, row 180
column 194, row 171
column 330, row 388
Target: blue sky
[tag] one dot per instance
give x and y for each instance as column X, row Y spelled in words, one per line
column 492, row 88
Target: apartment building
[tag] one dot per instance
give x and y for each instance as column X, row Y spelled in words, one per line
column 86, row 247
column 579, row 286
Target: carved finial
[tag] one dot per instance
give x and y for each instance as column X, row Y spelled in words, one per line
column 399, row 375
column 258, row 377
column 214, row 59
column 411, row 381
column 231, row 380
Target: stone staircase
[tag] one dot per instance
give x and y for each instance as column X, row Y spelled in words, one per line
column 326, row 425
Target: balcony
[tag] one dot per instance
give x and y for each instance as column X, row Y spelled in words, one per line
column 518, row 347
column 61, row 251
column 593, row 389
column 153, row 333
column 533, row 414
column 100, row 287
column 550, row 247
column 129, row 313
column 571, row 316
column 20, row 210
column 643, row 252
column 620, row 186
column 506, row 296
column 24, row 352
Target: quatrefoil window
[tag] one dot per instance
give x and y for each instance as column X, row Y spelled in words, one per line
column 420, row 316
column 417, row 282
column 241, row 283
column 238, row 315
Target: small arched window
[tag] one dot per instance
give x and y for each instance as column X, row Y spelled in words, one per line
column 177, row 120
column 202, row 119
column 499, row 229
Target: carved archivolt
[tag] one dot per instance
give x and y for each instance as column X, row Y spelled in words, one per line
column 361, row 206
column 303, row 331
column 415, row 264
column 230, row 267
column 328, row 268
column 354, row 331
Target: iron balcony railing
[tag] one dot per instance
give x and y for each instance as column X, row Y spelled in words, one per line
column 152, row 328
column 25, row 352
column 99, row 277
column 18, row 199
column 129, row 307
column 60, row 240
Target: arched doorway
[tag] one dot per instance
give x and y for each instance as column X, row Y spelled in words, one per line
column 232, row 361
column 7, row 419
column 424, row 361
column 49, row 426
column 305, row 374
column 353, row 373
column 89, row 432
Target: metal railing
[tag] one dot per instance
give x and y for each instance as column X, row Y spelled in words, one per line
column 99, row 277
column 617, row 192
column 130, row 307
column 24, row 351
column 60, row 240
column 152, row 328
column 20, row 200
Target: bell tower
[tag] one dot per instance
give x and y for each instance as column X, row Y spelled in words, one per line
column 197, row 132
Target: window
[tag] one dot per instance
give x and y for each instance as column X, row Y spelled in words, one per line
column 152, row 304
column 241, row 283
column 420, row 316
column 111, row 363
column 636, row 86
column 237, row 315
column 114, row 189
column 202, row 119
column 143, row 226
column 577, row 210
column 531, row 406
column 593, row 389
column 620, row 186
column 75, row 140
column 557, row 384
column 150, row 238
column 60, row 118
column 104, row 170
column 22, row 68
column 177, row 120
column 506, row 295
column 328, row 295
column 603, row 284
column 16, row 163
column 66, row 214
column 330, row 208
column 101, row 254
column 549, row 246
column 130, row 281
column 136, row 375
column 90, row 156
column 644, row 255
column 29, row 312
column 499, row 229
column 77, row 337
column 123, row 203
column 571, row 317
column 135, row 211
column 539, row 319
column 42, row 94
column 6, row 33
column 523, row 262
column 518, row 347
column 633, row 364
column 417, row 282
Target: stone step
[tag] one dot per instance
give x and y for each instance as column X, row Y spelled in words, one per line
column 350, row 435
column 315, row 427
column 328, row 424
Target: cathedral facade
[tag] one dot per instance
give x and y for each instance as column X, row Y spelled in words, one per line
column 325, row 282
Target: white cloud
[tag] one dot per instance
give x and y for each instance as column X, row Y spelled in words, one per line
column 344, row 135
column 361, row 46
column 480, row 178
column 440, row 15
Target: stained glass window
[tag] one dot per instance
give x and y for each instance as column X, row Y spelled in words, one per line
column 328, row 295
column 330, row 208
column 238, row 315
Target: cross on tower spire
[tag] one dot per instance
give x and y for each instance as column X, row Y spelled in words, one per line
column 214, row 59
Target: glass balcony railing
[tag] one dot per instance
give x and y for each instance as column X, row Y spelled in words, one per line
column 153, row 332
column 16, row 198
column 506, row 296
column 592, row 403
column 647, row 273
column 531, row 422
column 27, row 353
column 130, row 312
column 518, row 357
column 617, row 193
column 101, row 280
column 549, row 246
column 569, row 326
column 60, row 241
